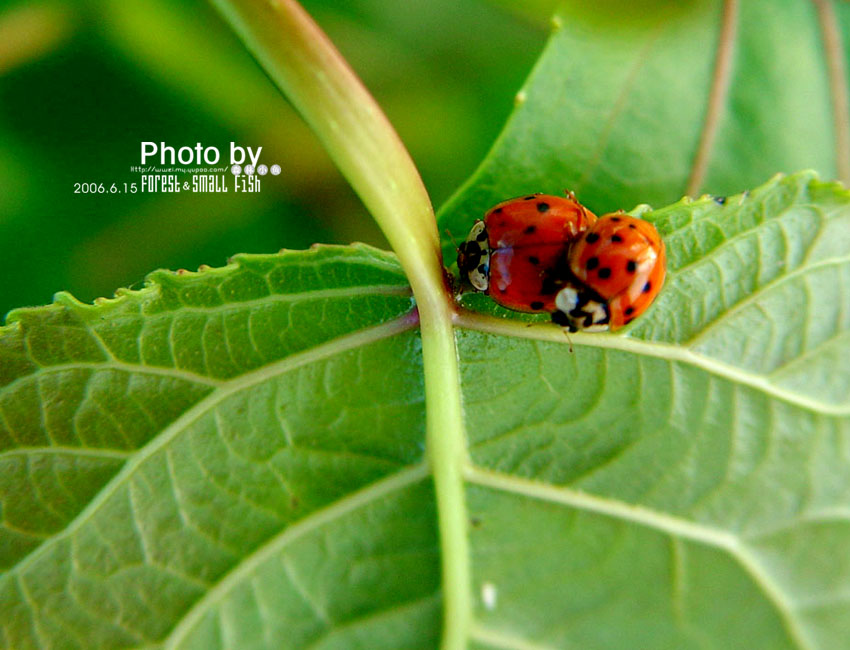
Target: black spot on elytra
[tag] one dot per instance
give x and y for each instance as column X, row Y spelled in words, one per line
column 591, row 263
column 530, row 229
column 647, row 287
column 632, row 226
column 591, row 238
column 536, row 305
column 530, row 198
column 630, row 311
column 542, row 207
column 616, row 238
column 497, row 211
column 534, row 260
column 631, row 266
column 604, row 272
column 615, row 218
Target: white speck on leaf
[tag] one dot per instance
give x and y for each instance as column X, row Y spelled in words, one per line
column 489, row 595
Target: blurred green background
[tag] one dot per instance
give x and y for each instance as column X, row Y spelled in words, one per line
column 82, row 83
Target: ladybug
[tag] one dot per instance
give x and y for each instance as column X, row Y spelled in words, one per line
column 518, row 253
column 619, row 266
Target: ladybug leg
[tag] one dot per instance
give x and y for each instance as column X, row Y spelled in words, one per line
column 453, row 240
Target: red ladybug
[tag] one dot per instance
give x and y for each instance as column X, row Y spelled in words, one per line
column 518, row 253
column 619, row 266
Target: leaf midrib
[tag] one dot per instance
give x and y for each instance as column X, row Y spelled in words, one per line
column 720, row 82
column 839, row 94
column 655, row 349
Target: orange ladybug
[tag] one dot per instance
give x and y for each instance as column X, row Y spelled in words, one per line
column 620, row 265
column 518, row 253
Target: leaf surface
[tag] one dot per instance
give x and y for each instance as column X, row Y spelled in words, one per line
column 644, row 102
column 689, row 477
column 219, row 442
column 234, row 458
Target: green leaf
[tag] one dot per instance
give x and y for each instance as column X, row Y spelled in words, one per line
column 234, row 458
column 644, row 102
column 217, row 430
column 690, row 477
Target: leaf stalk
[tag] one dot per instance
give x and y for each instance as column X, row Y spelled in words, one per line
column 312, row 74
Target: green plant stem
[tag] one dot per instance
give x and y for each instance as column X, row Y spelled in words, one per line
column 304, row 64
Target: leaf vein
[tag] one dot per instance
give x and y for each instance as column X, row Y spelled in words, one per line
column 291, row 533
column 666, row 351
column 654, row 520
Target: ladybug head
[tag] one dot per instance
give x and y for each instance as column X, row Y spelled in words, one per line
column 473, row 257
column 580, row 310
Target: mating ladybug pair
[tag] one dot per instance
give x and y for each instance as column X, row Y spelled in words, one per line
column 543, row 253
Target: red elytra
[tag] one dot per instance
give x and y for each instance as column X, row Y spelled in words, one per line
column 518, row 253
column 619, row 265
